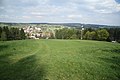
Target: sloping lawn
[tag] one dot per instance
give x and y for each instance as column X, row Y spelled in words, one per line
column 59, row 60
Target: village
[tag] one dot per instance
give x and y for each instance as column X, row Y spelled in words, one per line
column 39, row 32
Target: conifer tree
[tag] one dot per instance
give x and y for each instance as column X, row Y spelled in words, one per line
column 3, row 36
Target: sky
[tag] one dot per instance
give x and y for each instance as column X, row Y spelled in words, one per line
column 61, row 11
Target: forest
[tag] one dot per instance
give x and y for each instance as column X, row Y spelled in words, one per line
column 11, row 33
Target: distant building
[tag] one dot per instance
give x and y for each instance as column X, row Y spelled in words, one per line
column 37, row 32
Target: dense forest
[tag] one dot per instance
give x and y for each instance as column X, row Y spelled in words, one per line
column 11, row 33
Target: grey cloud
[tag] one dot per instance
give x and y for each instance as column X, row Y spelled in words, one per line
column 2, row 3
column 87, row 11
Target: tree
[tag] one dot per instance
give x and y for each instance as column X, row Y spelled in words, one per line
column 93, row 35
column 11, row 33
column 117, row 34
column 61, row 33
column 6, row 30
column 57, row 34
column 52, row 35
column 71, row 33
column 17, row 34
column 74, row 36
column 65, row 33
column 22, row 34
column 78, row 34
column 102, row 34
column 111, row 34
column 3, row 36
column 87, row 35
column 0, row 31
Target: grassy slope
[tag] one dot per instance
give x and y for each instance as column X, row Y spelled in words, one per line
column 59, row 60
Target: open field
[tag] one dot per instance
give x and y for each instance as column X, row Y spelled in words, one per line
column 59, row 60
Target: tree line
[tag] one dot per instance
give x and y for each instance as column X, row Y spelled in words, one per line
column 102, row 34
column 11, row 33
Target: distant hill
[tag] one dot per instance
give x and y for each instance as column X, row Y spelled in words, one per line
column 85, row 25
column 77, row 25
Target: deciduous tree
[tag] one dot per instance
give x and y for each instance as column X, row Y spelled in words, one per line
column 102, row 34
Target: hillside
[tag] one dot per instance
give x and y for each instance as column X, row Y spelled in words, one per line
column 59, row 60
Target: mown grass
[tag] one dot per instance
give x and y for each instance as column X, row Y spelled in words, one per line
column 59, row 60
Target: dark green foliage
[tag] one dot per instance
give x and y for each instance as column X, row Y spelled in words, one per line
column 6, row 30
column 0, row 31
column 114, row 34
column 3, row 36
column 22, row 34
column 11, row 33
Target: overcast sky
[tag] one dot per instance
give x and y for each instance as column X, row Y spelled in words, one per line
column 64, row 11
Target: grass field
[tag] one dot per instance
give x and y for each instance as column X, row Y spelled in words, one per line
column 59, row 60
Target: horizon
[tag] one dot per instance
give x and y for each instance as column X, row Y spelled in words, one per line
column 60, row 11
column 58, row 23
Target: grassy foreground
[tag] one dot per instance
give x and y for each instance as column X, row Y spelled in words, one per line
column 59, row 60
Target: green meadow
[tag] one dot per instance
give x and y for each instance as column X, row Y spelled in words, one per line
column 59, row 60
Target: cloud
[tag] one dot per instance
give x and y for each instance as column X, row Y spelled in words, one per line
column 86, row 11
column 108, row 6
column 100, row 6
column 1, row 2
column 26, row 17
column 74, row 16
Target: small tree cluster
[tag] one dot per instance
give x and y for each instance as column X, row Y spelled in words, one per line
column 11, row 33
column 90, row 35
column 100, row 34
column 66, row 33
